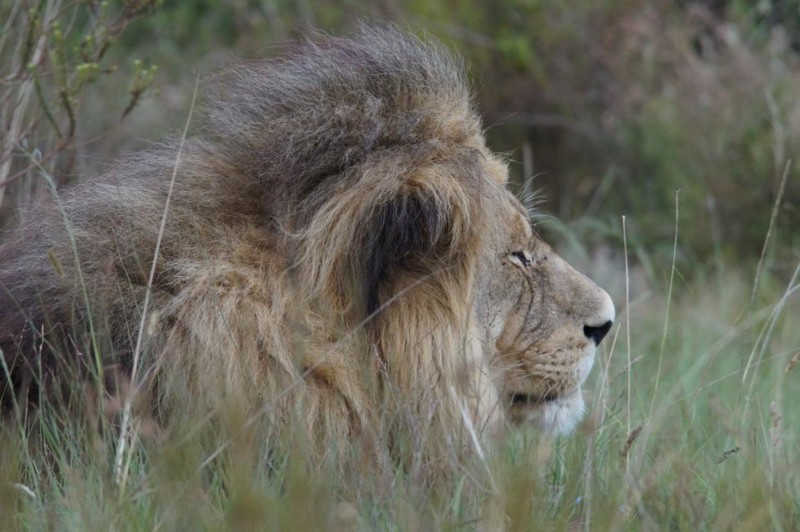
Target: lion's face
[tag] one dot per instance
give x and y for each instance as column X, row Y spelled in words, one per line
column 543, row 320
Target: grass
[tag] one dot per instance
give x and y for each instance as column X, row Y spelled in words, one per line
column 690, row 425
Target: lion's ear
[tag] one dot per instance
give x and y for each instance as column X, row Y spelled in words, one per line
column 410, row 234
column 366, row 245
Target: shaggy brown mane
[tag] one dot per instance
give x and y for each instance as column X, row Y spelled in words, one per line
column 336, row 192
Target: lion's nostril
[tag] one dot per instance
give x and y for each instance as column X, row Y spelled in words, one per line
column 597, row 333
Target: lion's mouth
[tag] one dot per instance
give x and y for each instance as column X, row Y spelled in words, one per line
column 557, row 413
column 523, row 400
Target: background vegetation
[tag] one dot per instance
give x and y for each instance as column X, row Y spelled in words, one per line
column 681, row 116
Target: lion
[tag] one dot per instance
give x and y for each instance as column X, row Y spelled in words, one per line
column 339, row 250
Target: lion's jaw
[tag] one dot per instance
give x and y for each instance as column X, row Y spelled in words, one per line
column 555, row 403
column 557, row 416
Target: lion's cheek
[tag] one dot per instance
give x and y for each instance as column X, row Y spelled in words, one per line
column 584, row 366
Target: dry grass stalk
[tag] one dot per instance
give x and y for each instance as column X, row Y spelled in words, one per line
column 632, row 436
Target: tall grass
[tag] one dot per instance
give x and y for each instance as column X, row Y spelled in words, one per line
column 702, row 437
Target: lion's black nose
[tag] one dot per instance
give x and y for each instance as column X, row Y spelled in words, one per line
column 597, row 333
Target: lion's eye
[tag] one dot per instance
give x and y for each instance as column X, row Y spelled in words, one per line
column 523, row 258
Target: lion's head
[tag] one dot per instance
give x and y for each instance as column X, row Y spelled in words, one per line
column 543, row 319
column 405, row 228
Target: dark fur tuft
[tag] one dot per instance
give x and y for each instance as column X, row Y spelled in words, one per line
column 405, row 234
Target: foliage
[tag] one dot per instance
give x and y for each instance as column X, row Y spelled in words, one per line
column 51, row 52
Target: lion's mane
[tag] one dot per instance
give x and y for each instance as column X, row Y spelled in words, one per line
column 317, row 261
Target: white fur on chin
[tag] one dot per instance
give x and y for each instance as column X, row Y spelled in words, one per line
column 559, row 416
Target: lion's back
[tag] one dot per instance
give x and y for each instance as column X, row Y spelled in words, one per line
column 82, row 264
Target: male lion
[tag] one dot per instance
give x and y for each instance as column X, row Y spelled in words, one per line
column 339, row 248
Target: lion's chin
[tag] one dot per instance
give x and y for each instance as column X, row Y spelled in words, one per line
column 559, row 415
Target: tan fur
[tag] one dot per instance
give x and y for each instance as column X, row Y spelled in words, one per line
column 340, row 247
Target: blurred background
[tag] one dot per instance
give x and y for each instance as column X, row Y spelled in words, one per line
column 604, row 108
